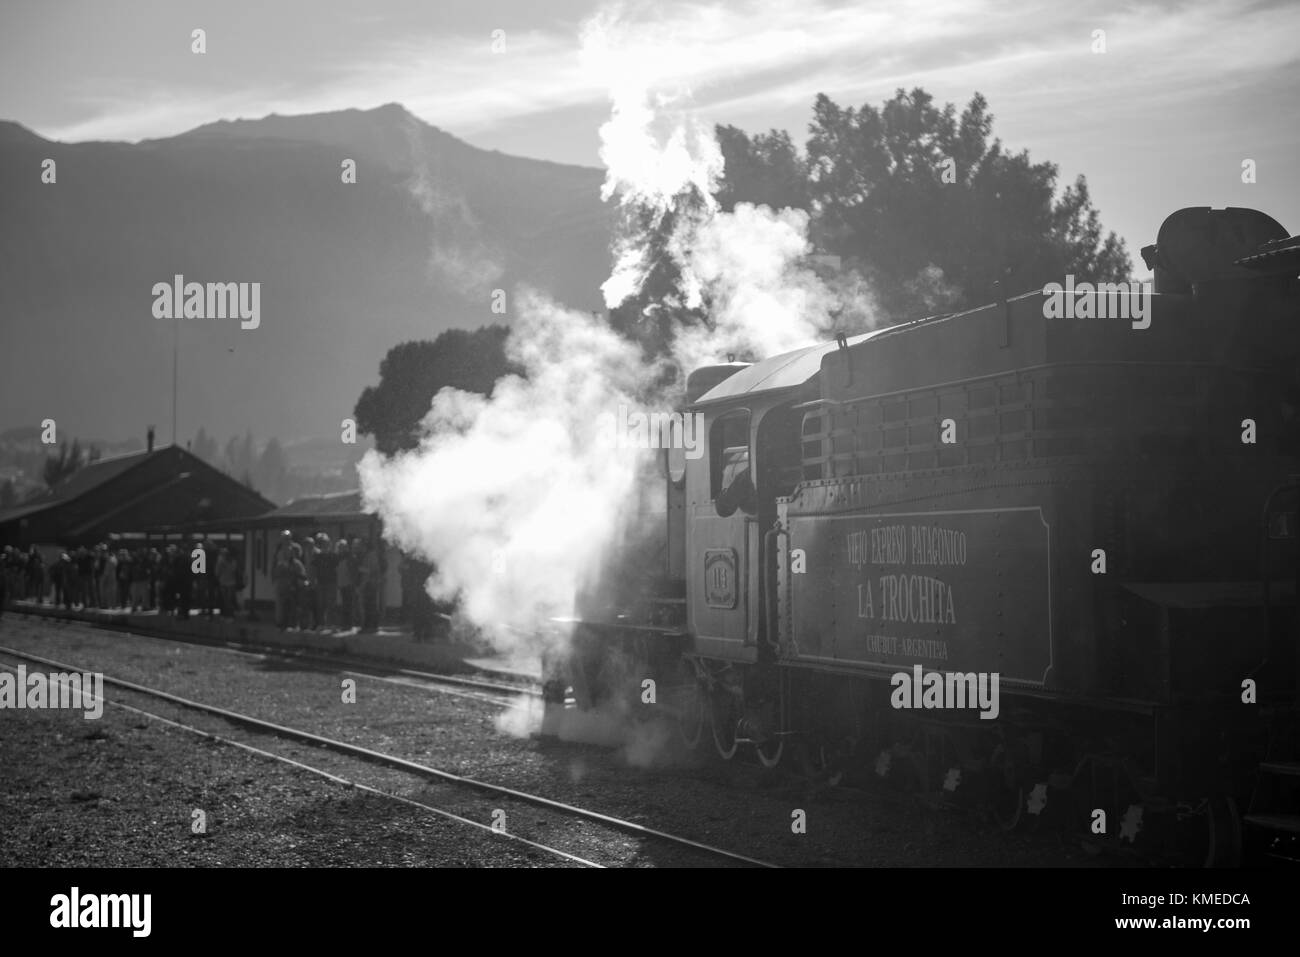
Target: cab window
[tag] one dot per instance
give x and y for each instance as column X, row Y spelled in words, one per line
column 728, row 450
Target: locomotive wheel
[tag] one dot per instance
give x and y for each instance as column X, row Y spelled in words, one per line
column 724, row 716
column 690, row 719
column 1212, row 836
column 1225, row 834
column 1009, row 800
column 770, row 751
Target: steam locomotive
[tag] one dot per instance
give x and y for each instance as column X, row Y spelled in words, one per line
column 1039, row 559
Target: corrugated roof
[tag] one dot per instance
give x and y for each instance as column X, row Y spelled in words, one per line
column 334, row 504
column 785, row 371
column 339, row 505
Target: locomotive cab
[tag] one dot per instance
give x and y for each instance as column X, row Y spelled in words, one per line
column 753, row 422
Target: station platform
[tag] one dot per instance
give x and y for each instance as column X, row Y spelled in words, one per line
column 391, row 645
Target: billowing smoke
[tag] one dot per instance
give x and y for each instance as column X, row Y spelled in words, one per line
column 512, row 498
column 748, row 269
column 763, row 299
column 660, row 158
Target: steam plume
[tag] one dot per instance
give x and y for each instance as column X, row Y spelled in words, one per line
column 510, row 497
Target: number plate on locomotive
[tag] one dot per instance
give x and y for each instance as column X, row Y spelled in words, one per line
column 720, row 577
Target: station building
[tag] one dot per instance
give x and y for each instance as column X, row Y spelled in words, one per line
column 125, row 501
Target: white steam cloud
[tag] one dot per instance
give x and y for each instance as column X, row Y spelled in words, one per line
column 748, row 267
column 512, row 498
column 763, row 299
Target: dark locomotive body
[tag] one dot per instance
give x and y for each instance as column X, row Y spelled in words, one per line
column 1100, row 511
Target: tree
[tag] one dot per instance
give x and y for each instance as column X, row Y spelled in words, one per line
column 766, row 170
column 920, row 202
column 237, row 457
column 271, row 471
column 230, row 456
column 205, row 447
column 8, row 494
column 69, row 460
column 414, row 372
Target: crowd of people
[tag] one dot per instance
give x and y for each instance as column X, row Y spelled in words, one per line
column 322, row 584
column 318, row 584
column 128, row 579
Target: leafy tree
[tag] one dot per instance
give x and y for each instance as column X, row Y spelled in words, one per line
column 919, row 201
column 69, row 460
column 8, row 494
column 413, row 372
column 765, row 169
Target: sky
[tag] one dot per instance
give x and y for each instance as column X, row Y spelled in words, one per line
column 1164, row 118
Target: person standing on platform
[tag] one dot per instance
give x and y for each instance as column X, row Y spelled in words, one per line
column 85, row 576
column 141, row 572
column 36, row 588
column 167, row 581
column 184, row 577
column 106, row 585
column 205, row 582
column 67, row 572
column 157, row 579
column 346, row 570
column 297, row 586
column 122, row 583
column 309, row 600
column 370, row 577
column 326, row 580
column 282, row 580
column 227, row 583
column 283, row 548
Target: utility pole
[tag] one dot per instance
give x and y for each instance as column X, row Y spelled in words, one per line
column 176, row 336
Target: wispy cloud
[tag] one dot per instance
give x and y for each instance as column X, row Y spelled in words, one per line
column 746, row 58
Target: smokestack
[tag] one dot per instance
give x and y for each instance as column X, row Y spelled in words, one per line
column 150, row 439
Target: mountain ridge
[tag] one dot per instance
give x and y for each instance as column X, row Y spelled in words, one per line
column 414, row 247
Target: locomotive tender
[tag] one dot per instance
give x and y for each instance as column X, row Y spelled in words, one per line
column 1094, row 516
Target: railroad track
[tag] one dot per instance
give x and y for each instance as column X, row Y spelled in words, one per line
column 359, row 752
column 498, row 693
column 346, row 782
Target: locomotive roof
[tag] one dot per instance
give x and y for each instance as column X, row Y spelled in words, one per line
column 786, row 371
